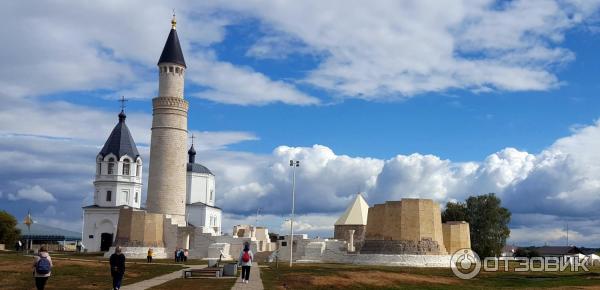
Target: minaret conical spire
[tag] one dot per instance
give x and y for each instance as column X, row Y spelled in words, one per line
column 172, row 51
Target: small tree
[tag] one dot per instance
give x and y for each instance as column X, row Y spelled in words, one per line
column 488, row 222
column 9, row 233
column 455, row 211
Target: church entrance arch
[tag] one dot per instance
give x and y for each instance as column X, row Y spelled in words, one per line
column 105, row 241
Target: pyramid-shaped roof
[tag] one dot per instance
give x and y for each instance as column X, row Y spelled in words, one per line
column 120, row 141
column 356, row 213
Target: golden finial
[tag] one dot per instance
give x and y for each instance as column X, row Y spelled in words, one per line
column 173, row 21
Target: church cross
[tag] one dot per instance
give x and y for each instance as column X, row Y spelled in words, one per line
column 122, row 101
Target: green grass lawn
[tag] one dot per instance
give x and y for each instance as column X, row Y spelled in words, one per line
column 16, row 273
column 339, row 276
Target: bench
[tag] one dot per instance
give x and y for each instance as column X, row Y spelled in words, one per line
column 212, row 272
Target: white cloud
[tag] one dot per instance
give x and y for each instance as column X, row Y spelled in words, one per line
column 90, row 46
column 217, row 140
column 381, row 51
column 241, row 85
column 395, row 49
column 35, row 193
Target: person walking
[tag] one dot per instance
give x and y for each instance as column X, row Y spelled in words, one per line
column 150, row 254
column 117, row 267
column 185, row 255
column 245, row 260
column 42, row 268
column 176, row 255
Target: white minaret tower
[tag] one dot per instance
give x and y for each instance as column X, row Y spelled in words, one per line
column 168, row 144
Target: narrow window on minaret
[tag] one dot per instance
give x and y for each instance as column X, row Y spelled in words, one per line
column 126, row 167
column 99, row 169
column 111, row 166
column 109, row 195
column 137, row 171
column 136, row 196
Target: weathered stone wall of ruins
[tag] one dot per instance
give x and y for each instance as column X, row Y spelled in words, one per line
column 375, row 222
column 139, row 228
column 341, row 233
column 406, row 220
column 456, row 236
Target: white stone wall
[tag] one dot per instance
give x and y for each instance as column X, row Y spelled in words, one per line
column 139, row 252
column 97, row 221
column 199, row 188
column 123, row 188
column 335, row 251
column 202, row 216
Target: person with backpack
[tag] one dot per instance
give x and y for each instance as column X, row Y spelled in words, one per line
column 117, row 267
column 245, row 260
column 42, row 268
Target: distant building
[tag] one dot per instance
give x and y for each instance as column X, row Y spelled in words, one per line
column 558, row 251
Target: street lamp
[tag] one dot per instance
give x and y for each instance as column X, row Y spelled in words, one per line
column 28, row 222
column 293, row 164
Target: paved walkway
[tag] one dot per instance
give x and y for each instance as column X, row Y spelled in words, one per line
column 159, row 280
column 255, row 282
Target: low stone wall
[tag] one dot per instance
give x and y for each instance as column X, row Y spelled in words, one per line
column 391, row 247
column 139, row 252
column 334, row 251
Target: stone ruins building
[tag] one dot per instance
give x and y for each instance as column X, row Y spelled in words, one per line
column 353, row 223
column 408, row 232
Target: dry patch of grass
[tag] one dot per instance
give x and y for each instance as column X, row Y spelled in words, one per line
column 372, row 278
column 197, row 284
column 16, row 273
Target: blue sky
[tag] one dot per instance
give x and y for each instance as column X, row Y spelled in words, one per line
column 398, row 99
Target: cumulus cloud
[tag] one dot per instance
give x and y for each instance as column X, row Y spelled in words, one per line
column 35, row 193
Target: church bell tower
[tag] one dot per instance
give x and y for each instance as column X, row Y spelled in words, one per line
column 168, row 144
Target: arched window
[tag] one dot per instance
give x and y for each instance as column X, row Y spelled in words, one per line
column 99, row 168
column 136, row 196
column 211, row 195
column 111, row 166
column 138, row 170
column 126, row 167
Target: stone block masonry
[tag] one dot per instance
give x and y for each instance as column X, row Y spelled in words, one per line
column 168, row 157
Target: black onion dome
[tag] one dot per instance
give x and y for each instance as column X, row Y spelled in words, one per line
column 192, row 166
column 172, row 50
column 120, row 142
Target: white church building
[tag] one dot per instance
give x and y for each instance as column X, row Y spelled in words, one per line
column 118, row 184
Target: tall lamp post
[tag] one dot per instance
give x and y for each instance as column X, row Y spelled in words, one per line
column 28, row 222
column 293, row 164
